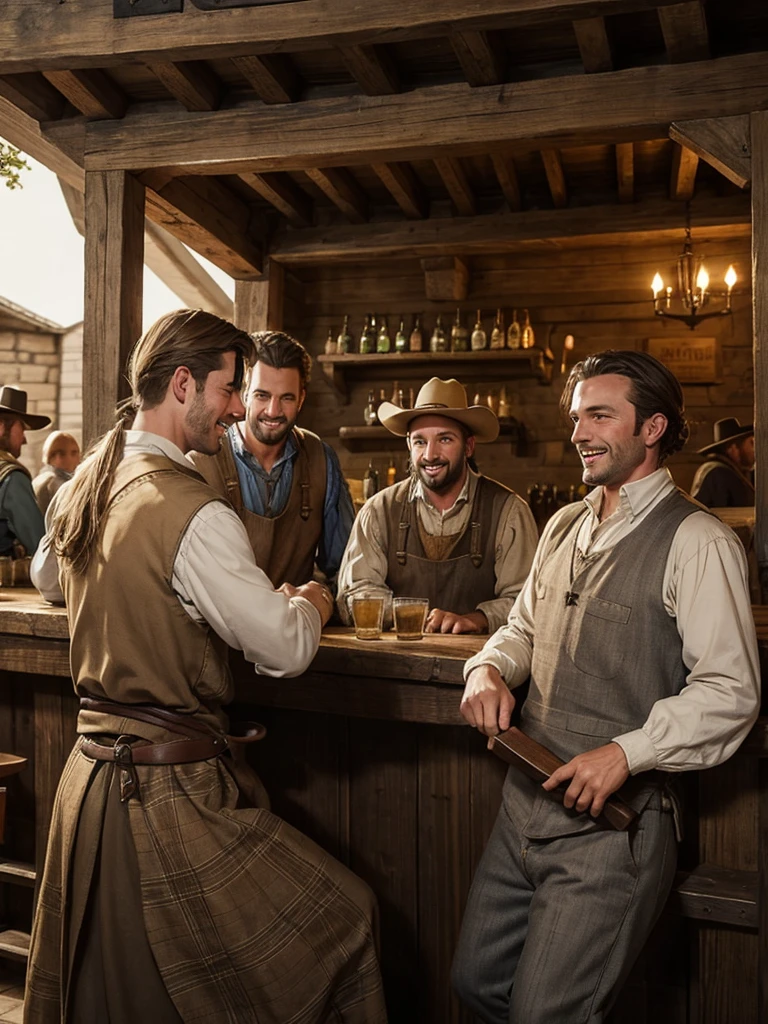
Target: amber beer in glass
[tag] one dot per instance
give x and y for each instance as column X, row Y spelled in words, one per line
column 410, row 614
column 368, row 616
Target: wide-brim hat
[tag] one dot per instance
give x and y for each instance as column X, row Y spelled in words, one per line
column 442, row 398
column 726, row 432
column 14, row 400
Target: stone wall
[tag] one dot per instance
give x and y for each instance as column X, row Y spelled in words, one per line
column 29, row 360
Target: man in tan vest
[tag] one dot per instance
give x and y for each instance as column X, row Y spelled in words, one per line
column 167, row 895
column 284, row 483
column 453, row 536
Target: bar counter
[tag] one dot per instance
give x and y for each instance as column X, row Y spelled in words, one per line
column 367, row 753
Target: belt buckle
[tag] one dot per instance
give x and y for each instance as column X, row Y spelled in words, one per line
column 129, row 781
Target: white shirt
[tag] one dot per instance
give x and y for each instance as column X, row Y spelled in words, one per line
column 217, row 581
column 705, row 590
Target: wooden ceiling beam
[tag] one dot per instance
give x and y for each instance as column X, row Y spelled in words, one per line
column 625, row 171
column 372, row 68
column 33, row 95
column 507, row 177
column 343, row 191
column 553, row 168
column 457, row 184
column 684, row 27
column 594, row 45
column 23, row 131
column 481, row 59
column 93, row 93
column 405, row 188
column 682, row 181
column 284, row 194
column 273, row 76
column 191, row 82
column 365, row 130
column 724, row 142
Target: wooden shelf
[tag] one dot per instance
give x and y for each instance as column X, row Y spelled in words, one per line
column 500, row 364
column 14, row 945
column 16, row 872
column 372, row 439
column 716, row 895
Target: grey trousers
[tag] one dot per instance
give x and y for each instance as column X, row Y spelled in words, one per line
column 554, row 922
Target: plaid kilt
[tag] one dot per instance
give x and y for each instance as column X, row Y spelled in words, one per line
column 247, row 919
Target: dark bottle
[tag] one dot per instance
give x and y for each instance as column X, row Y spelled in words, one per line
column 416, row 341
column 370, row 482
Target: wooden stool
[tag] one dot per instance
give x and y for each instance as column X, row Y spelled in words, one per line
column 10, row 764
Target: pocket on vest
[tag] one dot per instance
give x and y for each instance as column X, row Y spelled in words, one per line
column 596, row 643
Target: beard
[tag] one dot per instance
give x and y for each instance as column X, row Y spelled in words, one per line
column 201, row 427
column 442, row 483
column 272, row 434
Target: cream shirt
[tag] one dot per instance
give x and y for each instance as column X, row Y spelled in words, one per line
column 217, row 581
column 364, row 566
column 705, row 590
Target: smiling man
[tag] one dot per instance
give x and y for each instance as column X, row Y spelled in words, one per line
column 284, row 483
column 636, row 631
column 460, row 539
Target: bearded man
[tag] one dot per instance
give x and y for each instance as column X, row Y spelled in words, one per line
column 449, row 534
column 284, row 483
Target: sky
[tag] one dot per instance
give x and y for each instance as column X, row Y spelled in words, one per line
column 41, row 254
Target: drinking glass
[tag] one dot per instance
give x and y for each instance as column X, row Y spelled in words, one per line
column 368, row 616
column 410, row 613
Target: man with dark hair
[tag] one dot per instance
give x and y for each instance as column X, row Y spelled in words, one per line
column 284, row 483
column 725, row 479
column 449, row 534
column 636, row 631
column 21, row 522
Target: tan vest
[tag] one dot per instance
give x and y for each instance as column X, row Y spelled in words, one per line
column 131, row 641
column 284, row 545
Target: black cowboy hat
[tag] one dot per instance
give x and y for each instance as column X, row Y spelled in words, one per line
column 14, row 401
column 728, row 431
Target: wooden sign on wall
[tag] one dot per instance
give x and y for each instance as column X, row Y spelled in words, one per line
column 693, row 360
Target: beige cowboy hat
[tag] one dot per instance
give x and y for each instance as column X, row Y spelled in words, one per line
column 442, row 398
column 726, row 432
column 14, row 400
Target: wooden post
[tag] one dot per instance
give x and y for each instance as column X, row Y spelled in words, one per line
column 259, row 304
column 114, row 261
column 759, row 144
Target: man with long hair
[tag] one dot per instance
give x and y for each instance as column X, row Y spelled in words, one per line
column 636, row 631
column 163, row 898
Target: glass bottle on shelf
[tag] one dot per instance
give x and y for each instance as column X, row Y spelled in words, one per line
column 416, row 341
column 459, row 335
column 514, row 332
column 330, row 344
column 365, row 338
column 528, row 339
column 401, row 342
column 439, row 340
column 383, row 342
column 370, row 481
column 344, row 343
column 479, row 337
column 497, row 334
column 370, row 415
column 391, row 473
column 503, row 403
column 397, row 396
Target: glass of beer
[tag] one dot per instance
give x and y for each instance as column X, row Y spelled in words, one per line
column 368, row 616
column 410, row 614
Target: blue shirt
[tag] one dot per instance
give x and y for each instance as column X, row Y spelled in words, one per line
column 20, row 516
column 267, row 493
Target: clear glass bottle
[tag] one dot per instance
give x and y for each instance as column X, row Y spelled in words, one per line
column 365, row 338
column 527, row 339
column 416, row 341
column 383, row 341
column 344, row 343
column 330, row 344
column 401, row 342
column 370, row 481
column 370, row 415
column 439, row 340
column 397, row 396
column 497, row 334
column 391, row 473
column 459, row 335
column 479, row 337
column 514, row 332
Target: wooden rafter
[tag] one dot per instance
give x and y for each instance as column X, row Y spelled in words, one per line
column 553, row 168
column 405, row 188
column 33, row 95
column 284, row 194
column 273, row 76
column 372, row 68
column 191, row 82
column 343, row 191
column 724, row 142
column 682, row 180
column 507, row 177
column 625, row 171
column 480, row 58
column 458, row 186
column 259, row 305
column 594, row 44
column 92, row 92
column 685, row 31
column 23, row 131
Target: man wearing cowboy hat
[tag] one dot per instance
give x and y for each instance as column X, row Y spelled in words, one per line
column 21, row 522
column 460, row 539
column 725, row 478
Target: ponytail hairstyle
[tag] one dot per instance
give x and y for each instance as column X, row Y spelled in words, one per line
column 188, row 337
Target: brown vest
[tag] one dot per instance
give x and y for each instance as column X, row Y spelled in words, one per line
column 459, row 582
column 284, row 545
column 131, row 641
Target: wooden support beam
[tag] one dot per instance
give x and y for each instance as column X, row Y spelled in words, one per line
column 93, row 93
column 273, row 76
column 594, row 45
column 481, row 59
column 759, row 142
column 284, row 194
column 343, row 191
column 33, row 95
column 259, row 305
column 114, row 262
column 192, row 83
column 23, row 131
column 682, row 181
column 446, row 278
column 625, row 171
column 684, row 27
column 553, row 168
column 372, row 68
column 722, row 141
column 456, row 182
column 405, row 188
column 507, row 175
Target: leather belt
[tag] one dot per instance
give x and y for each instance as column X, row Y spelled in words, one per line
column 176, row 752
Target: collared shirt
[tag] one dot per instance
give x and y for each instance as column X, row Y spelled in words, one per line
column 705, row 590
column 20, row 517
column 266, row 493
column 217, row 581
column 365, row 561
